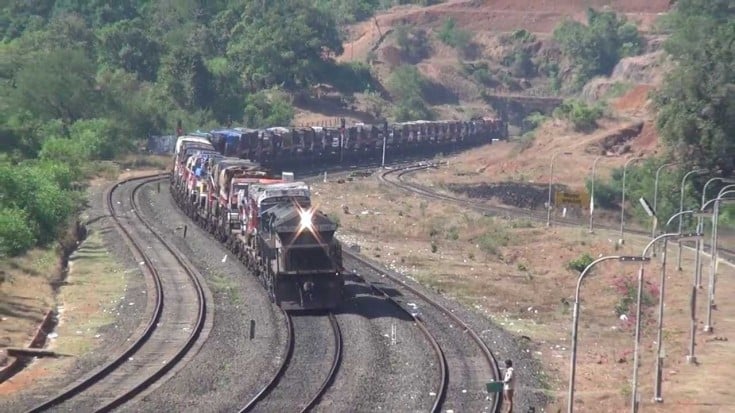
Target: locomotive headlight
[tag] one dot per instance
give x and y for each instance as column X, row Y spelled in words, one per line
column 306, row 216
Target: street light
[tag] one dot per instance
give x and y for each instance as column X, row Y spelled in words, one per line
column 713, row 253
column 551, row 180
column 655, row 198
column 592, row 192
column 575, row 319
column 382, row 164
column 698, row 171
column 657, row 396
column 700, row 226
column 622, row 205
column 634, row 397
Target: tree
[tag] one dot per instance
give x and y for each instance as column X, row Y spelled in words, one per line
column 407, row 86
column 268, row 108
column 16, row 233
column 413, row 42
column 697, row 100
column 56, row 84
column 185, row 78
column 127, row 45
column 596, row 48
column 282, row 42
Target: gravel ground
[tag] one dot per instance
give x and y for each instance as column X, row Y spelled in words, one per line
column 373, row 375
column 230, row 368
column 312, row 357
column 377, row 375
column 467, row 368
column 113, row 336
column 503, row 345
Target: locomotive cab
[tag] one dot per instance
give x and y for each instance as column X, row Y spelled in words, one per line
column 303, row 256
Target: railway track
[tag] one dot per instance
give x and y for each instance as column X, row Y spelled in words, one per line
column 178, row 319
column 401, row 184
column 302, row 330
column 277, row 395
column 452, row 370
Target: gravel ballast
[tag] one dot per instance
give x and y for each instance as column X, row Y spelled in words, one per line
column 503, row 345
column 378, row 373
column 130, row 312
column 230, row 368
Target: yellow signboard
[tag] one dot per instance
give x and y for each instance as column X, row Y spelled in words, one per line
column 578, row 199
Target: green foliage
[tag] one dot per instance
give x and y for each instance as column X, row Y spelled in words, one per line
column 272, row 52
column 36, row 190
column 696, row 103
column 523, row 36
column 450, row 35
column 268, row 108
column 413, row 42
column 594, row 49
column 580, row 263
column 58, row 84
column 128, row 46
column 534, row 120
column 582, row 116
column 494, row 237
column 480, row 72
column 16, row 234
column 407, row 86
column 349, row 77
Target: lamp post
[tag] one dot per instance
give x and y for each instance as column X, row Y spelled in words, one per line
column 713, row 253
column 636, row 351
column 681, row 207
column 551, row 180
column 658, row 375
column 655, row 199
column 575, row 319
column 382, row 164
column 700, row 226
column 622, row 205
column 592, row 193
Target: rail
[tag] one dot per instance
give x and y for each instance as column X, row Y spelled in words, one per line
column 152, row 325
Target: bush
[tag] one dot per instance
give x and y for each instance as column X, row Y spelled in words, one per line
column 579, row 264
column 450, row 35
column 594, row 49
column 268, row 108
column 349, row 77
column 407, row 85
column 16, row 232
column 413, row 42
column 582, row 116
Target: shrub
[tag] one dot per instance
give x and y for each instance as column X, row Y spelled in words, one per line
column 595, row 48
column 268, row 108
column 627, row 287
column 413, row 42
column 16, row 232
column 582, row 116
column 579, row 264
column 450, row 35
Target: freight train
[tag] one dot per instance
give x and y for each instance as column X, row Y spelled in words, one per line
column 268, row 222
column 280, row 147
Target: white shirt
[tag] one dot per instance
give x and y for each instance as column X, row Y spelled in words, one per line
column 509, row 379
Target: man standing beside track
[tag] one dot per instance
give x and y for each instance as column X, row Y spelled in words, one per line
column 509, row 384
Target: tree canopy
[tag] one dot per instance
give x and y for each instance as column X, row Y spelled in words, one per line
column 697, row 101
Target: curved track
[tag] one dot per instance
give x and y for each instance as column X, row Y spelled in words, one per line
column 487, row 357
column 176, row 323
column 289, row 380
column 401, row 184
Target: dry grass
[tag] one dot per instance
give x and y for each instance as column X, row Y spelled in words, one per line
column 26, row 294
column 515, row 272
column 87, row 303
